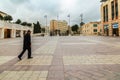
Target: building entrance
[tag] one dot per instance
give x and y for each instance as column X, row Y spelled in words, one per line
column 116, row 32
column 7, row 33
column 106, row 30
column 115, row 29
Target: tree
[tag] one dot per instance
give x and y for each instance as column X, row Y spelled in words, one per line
column 37, row 27
column 75, row 28
column 18, row 21
column 8, row 18
column 43, row 30
column 1, row 17
column 24, row 23
column 29, row 24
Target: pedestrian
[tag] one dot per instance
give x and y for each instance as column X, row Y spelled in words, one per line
column 26, row 45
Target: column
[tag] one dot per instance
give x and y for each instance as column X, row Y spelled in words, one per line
column 2, row 33
column 21, row 33
column 13, row 33
column 119, row 28
column 110, row 30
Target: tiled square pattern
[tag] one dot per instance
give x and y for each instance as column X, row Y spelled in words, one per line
column 91, row 59
column 48, row 48
column 24, row 75
column 38, row 60
column 4, row 59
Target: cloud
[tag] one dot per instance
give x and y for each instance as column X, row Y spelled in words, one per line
column 34, row 10
column 16, row 2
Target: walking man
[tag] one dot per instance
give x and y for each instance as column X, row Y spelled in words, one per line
column 26, row 45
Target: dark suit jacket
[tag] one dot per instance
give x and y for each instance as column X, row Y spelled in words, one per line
column 27, row 41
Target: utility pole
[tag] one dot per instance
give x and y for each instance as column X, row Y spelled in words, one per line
column 46, row 24
column 81, row 18
column 69, row 24
column 57, row 24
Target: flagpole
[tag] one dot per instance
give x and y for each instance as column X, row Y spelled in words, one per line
column 57, row 23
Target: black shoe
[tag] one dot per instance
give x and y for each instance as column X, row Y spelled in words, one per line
column 19, row 58
column 30, row 57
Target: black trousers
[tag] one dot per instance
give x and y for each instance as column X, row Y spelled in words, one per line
column 29, row 52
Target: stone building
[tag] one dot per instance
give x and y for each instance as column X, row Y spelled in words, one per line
column 110, row 17
column 10, row 30
column 91, row 28
column 3, row 14
column 59, row 26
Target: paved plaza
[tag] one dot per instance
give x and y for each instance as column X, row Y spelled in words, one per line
column 62, row 58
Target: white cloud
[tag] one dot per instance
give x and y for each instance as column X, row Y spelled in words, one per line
column 33, row 10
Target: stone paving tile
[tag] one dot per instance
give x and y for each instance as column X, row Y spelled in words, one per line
column 64, row 58
column 24, row 75
column 4, row 59
column 37, row 60
column 56, row 68
column 48, row 48
column 96, row 72
column 80, row 43
column 56, row 74
column 91, row 59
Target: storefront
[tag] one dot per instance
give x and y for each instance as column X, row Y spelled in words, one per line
column 106, row 30
column 115, row 29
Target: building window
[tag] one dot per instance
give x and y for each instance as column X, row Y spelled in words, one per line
column 104, row 13
column 112, row 9
column 116, row 8
column 94, row 25
column 95, row 30
column 107, row 13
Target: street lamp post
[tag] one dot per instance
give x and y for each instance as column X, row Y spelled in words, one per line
column 69, row 24
column 57, row 24
column 46, row 24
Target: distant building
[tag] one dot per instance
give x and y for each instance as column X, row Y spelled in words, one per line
column 10, row 30
column 91, row 28
column 58, row 26
column 110, row 17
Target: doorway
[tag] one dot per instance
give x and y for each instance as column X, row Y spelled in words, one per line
column 7, row 33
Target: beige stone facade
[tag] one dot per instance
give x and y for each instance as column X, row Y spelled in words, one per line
column 61, row 26
column 91, row 28
column 110, row 17
column 3, row 14
column 9, row 30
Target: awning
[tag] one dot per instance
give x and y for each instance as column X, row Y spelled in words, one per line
column 115, row 25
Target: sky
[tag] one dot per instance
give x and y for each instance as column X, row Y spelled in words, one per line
column 35, row 10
